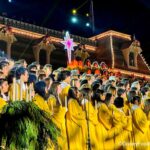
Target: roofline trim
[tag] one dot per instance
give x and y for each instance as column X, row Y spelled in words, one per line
column 113, row 33
column 141, row 75
column 38, row 35
column 144, row 61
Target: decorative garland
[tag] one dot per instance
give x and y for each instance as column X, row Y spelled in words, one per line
column 24, row 126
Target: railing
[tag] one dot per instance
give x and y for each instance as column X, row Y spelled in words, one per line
column 42, row 30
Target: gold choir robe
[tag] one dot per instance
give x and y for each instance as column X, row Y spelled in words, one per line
column 124, row 139
column 58, row 117
column 17, row 92
column 106, row 119
column 148, row 117
column 41, row 103
column 76, row 126
column 140, row 129
column 64, row 93
column 51, row 103
column 2, row 104
column 95, row 128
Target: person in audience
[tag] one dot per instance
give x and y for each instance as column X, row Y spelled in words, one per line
column 41, row 75
column 92, row 111
column 58, row 111
column 48, row 70
column 65, row 85
column 124, row 139
column 21, row 84
column 22, row 62
column 75, row 83
column 4, row 98
column 4, row 67
column 76, row 121
column 93, row 131
column 54, row 99
column 140, row 125
column 4, row 87
column 40, row 94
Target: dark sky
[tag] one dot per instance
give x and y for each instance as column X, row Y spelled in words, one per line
column 128, row 16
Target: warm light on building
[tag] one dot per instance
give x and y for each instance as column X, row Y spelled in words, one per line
column 111, row 33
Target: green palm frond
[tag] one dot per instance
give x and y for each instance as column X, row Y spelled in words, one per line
column 25, row 126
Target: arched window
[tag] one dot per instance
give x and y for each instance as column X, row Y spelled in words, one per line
column 131, row 59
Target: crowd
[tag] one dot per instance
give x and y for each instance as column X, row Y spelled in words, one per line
column 93, row 111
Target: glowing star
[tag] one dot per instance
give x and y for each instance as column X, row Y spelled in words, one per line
column 69, row 45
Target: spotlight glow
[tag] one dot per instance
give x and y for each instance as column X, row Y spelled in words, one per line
column 9, row 1
column 87, row 24
column 87, row 14
column 74, row 11
column 74, row 20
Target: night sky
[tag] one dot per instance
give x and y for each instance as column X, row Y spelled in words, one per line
column 127, row 16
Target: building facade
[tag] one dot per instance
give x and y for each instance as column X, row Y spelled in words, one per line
column 33, row 43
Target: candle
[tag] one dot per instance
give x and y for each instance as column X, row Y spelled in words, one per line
column 14, row 89
column 16, row 95
column 21, row 90
column 95, row 105
column 73, row 83
column 27, row 94
column 52, row 108
column 66, row 101
column 59, row 100
column 30, row 92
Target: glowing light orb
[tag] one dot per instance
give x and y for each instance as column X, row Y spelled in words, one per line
column 87, row 14
column 74, row 20
column 87, row 24
column 74, row 11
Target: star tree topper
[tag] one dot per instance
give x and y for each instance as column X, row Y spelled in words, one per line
column 69, row 45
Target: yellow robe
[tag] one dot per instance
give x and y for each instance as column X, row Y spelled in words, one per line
column 51, row 103
column 106, row 119
column 124, row 139
column 41, row 103
column 17, row 92
column 58, row 117
column 140, row 129
column 64, row 93
column 95, row 128
column 2, row 104
column 126, row 107
column 76, row 126
column 148, row 116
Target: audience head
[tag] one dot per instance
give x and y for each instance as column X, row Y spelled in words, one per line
column 109, row 99
column 40, row 88
column 22, row 73
column 48, row 69
column 121, row 93
column 119, row 102
column 4, row 86
column 136, row 100
column 4, row 67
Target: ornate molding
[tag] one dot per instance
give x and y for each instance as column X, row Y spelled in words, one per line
column 44, row 31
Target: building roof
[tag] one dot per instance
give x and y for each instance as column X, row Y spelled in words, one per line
column 111, row 33
column 107, row 46
column 110, row 51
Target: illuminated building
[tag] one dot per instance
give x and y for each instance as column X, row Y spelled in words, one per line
column 34, row 43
